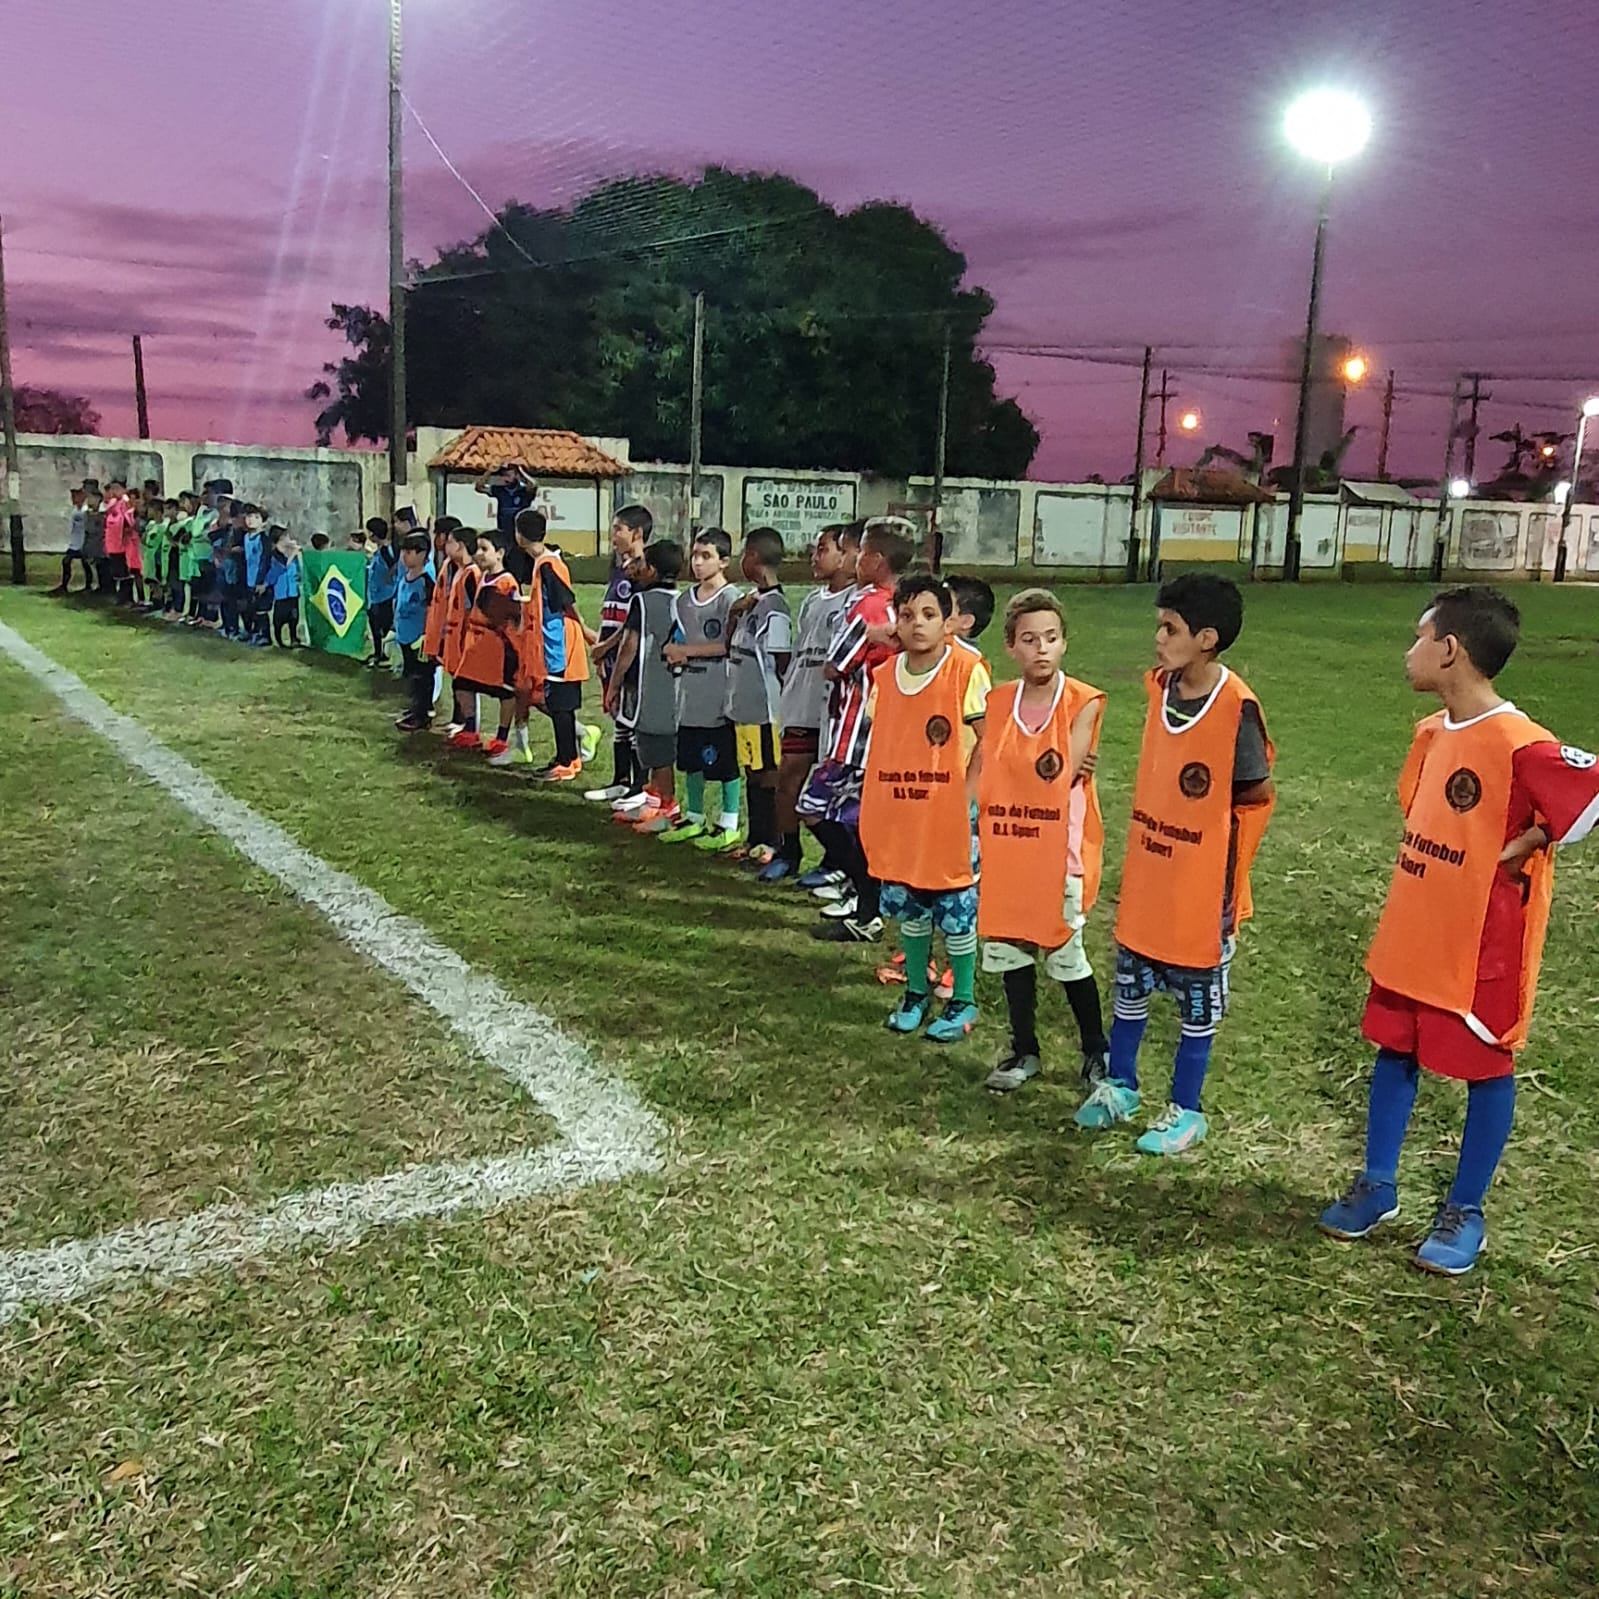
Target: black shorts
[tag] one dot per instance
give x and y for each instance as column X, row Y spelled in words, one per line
column 559, row 695
column 495, row 691
column 710, row 752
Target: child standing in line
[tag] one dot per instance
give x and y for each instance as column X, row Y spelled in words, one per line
column 802, row 712
column 759, row 650
column 926, row 706
column 832, row 798
column 444, row 570
column 382, row 583
column 284, row 575
column 459, row 546
column 132, row 591
column 76, row 528
column 94, row 556
column 491, row 648
column 1041, row 838
column 706, row 752
column 1454, row 965
column 1201, row 801
column 256, row 589
column 555, row 661
column 631, row 529
column 114, row 541
column 155, row 540
column 174, row 588
column 412, row 598
column 642, row 693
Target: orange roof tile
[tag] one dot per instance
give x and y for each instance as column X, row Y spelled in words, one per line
column 1197, row 486
column 550, row 452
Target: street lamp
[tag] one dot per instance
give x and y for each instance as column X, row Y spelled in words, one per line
column 1460, row 488
column 1354, row 369
column 1590, row 409
column 1325, row 126
column 1189, row 421
column 399, row 470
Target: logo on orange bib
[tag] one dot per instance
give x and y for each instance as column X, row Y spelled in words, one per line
column 1194, row 780
column 1049, row 765
column 938, row 730
column 1463, row 790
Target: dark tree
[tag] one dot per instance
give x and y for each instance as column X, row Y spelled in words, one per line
column 824, row 332
column 50, row 411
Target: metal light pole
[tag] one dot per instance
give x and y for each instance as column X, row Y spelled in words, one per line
column 696, row 416
column 1325, row 126
column 11, row 489
column 1590, row 408
column 935, row 535
column 1138, row 471
column 399, row 465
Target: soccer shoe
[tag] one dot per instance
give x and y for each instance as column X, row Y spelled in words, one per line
column 943, row 985
column 840, row 910
column 555, row 772
column 466, row 739
column 1459, row 1235
column 909, row 1015
column 1110, row 1102
column 760, row 856
column 653, row 825
column 1096, row 1067
column 1173, row 1131
column 1363, row 1209
column 607, row 796
column 720, row 842
column 817, row 878
column 631, row 804
column 409, row 724
column 508, row 755
column 686, row 833
column 589, row 745
column 1011, row 1072
column 849, row 931
column 832, row 893
column 495, row 747
column 956, row 1023
column 776, row 871
column 450, row 729
column 892, row 973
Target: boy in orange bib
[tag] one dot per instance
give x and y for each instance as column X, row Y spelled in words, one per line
column 491, row 641
column 1201, row 800
column 1041, row 838
column 1454, row 964
column 926, row 710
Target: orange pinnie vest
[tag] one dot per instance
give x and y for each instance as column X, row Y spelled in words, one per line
column 1174, row 880
column 916, row 824
column 483, row 652
column 463, row 591
column 534, row 666
column 1024, row 807
column 438, row 611
column 1455, row 793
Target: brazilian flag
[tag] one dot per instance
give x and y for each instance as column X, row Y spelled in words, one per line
column 335, row 581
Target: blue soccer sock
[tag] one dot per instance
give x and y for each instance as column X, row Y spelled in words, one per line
column 1126, row 1034
column 1490, row 1110
column 1188, row 1072
column 1393, row 1094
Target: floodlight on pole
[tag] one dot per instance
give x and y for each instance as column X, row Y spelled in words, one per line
column 1459, row 488
column 1325, row 126
column 1188, row 421
column 1590, row 409
column 1354, row 369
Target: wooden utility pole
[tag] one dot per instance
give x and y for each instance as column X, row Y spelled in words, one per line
column 399, row 459
column 1387, row 428
column 696, row 406
column 141, row 400
column 1138, row 469
column 1440, row 534
column 935, row 534
column 1476, row 399
column 1167, row 392
column 12, row 497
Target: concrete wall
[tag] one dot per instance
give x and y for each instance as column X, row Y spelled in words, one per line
column 1078, row 529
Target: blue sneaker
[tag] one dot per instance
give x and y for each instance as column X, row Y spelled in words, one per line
column 1173, row 1131
column 817, row 878
column 1364, row 1208
column 908, row 1015
column 959, row 1018
column 1457, row 1238
column 1110, row 1102
column 775, row 871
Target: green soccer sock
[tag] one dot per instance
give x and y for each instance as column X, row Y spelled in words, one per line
column 694, row 795
column 732, row 794
column 962, row 951
column 918, row 950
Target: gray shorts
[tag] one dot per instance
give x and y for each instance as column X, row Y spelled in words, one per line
column 655, row 750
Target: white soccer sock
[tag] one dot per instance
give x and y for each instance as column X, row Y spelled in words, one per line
column 727, row 822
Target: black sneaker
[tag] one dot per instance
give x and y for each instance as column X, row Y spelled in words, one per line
column 1012, row 1072
column 846, row 930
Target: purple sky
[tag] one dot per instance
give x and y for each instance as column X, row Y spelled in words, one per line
column 1113, row 173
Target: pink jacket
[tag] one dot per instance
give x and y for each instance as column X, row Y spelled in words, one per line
column 119, row 524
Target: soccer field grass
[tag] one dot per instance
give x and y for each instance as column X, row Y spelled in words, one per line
column 870, row 1330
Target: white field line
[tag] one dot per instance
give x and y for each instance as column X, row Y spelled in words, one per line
column 607, row 1131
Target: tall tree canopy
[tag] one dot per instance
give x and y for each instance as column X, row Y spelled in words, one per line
column 50, row 411
column 823, row 332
